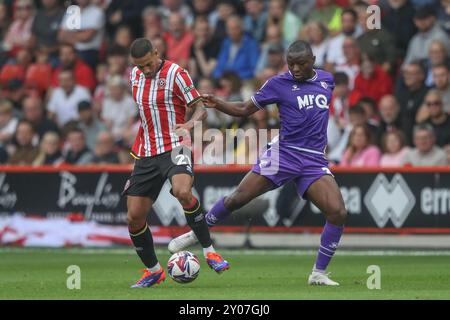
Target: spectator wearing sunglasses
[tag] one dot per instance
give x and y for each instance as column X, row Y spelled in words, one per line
column 438, row 119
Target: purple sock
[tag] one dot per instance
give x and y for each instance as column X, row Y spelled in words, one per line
column 218, row 212
column 329, row 241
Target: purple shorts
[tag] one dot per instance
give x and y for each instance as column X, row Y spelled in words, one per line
column 283, row 164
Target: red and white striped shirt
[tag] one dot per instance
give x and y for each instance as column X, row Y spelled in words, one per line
column 162, row 103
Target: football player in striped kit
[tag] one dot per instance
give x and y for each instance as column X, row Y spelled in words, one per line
column 162, row 91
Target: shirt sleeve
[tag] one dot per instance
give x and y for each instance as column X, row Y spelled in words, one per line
column 132, row 76
column 265, row 95
column 330, row 82
column 186, row 88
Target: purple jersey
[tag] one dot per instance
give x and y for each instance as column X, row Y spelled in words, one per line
column 303, row 108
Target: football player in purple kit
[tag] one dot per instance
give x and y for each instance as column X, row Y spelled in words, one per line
column 303, row 96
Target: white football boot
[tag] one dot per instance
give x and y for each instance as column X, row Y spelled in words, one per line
column 182, row 242
column 321, row 279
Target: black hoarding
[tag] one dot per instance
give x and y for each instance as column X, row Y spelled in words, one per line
column 373, row 199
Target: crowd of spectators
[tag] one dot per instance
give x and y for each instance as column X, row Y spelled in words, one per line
column 64, row 94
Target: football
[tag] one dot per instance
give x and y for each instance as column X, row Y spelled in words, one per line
column 183, row 267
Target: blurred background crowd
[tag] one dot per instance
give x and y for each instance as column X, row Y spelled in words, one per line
column 65, row 97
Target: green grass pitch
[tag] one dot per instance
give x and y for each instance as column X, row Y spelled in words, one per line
column 108, row 274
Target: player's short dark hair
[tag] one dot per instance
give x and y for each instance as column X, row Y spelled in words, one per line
column 300, row 46
column 140, row 47
column 341, row 78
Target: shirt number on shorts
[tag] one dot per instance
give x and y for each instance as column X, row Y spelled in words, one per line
column 183, row 159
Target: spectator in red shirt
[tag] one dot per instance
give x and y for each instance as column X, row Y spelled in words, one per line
column 373, row 81
column 17, row 68
column 84, row 76
column 178, row 40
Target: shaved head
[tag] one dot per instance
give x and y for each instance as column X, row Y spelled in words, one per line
column 300, row 60
column 140, row 47
column 300, row 46
column 145, row 57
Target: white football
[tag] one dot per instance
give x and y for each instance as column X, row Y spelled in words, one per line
column 183, row 267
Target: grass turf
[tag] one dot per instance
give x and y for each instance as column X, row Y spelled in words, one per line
column 108, row 274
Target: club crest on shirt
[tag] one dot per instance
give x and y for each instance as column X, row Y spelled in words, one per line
column 324, row 84
column 161, row 83
column 264, row 163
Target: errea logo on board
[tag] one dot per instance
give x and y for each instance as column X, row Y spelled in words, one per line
column 389, row 200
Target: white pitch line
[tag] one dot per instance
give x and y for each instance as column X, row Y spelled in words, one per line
column 257, row 252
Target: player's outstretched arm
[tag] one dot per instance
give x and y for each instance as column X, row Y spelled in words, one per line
column 236, row 109
column 199, row 114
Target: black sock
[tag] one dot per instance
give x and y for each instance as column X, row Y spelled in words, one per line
column 196, row 220
column 143, row 244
